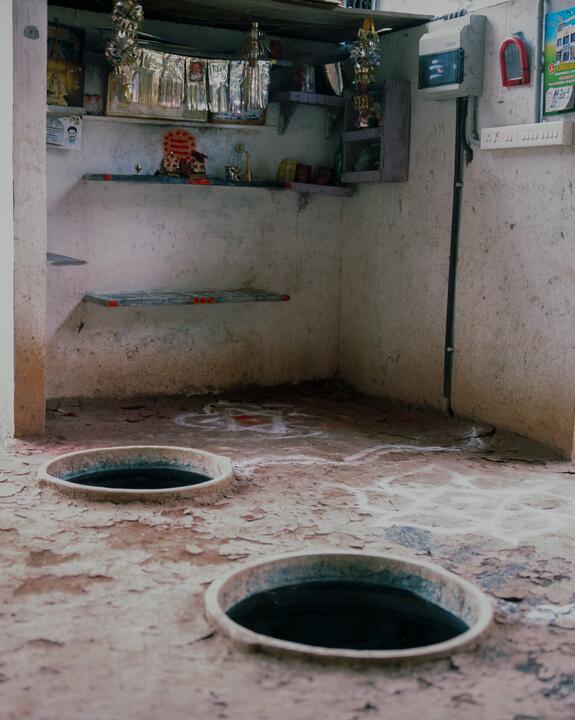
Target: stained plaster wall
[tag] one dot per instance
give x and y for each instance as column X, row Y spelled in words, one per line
column 514, row 361
column 136, row 238
column 6, row 230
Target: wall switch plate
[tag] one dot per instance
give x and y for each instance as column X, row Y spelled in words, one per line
column 558, row 132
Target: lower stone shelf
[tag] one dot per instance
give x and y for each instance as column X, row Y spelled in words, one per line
column 302, row 188
column 168, row 180
column 62, row 260
column 142, row 298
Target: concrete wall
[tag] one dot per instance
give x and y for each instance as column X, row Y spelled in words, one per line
column 514, row 362
column 29, row 215
column 6, row 229
column 137, row 238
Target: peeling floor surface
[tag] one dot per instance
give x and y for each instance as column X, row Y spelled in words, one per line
column 101, row 605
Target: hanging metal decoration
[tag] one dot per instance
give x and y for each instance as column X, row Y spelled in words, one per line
column 366, row 58
column 122, row 50
column 254, row 46
column 254, row 51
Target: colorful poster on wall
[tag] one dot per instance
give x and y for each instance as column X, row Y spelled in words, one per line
column 560, row 62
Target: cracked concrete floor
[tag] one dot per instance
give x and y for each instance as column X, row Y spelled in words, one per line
column 101, row 605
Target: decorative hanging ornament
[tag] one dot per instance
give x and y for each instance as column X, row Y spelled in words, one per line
column 365, row 54
column 122, row 50
column 253, row 50
column 170, row 165
column 254, row 46
column 366, row 58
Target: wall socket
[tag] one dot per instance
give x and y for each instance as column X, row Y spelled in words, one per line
column 558, row 132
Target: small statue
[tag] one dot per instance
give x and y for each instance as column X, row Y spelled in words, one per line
column 247, row 176
column 57, row 90
column 199, row 163
column 194, row 165
column 170, row 165
column 233, row 173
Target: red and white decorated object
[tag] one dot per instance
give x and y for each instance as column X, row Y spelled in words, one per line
column 180, row 142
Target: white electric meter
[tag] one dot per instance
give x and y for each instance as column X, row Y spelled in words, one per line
column 451, row 58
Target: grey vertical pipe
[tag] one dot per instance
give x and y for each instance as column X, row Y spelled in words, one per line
column 449, row 349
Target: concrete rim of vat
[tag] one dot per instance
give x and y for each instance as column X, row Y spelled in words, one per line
column 217, row 467
column 430, row 581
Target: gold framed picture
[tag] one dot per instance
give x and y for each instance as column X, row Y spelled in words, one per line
column 159, row 88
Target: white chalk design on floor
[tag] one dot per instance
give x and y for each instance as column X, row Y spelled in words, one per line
column 445, row 501
column 462, row 504
column 275, row 421
column 558, row 615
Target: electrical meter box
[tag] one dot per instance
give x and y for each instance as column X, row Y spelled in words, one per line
column 451, row 58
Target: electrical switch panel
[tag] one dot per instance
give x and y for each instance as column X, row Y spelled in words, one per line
column 451, row 58
column 559, row 132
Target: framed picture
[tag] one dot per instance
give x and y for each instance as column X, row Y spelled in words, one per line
column 65, row 78
column 160, row 88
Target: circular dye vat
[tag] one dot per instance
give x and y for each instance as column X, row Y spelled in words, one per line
column 347, row 605
column 134, row 472
column 139, row 478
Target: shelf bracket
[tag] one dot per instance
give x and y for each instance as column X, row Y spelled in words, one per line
column 302, row 201
column 332, row 117
column 287, row 109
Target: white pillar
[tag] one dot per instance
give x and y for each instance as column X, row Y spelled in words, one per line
column 29, row 170
column 6, row 228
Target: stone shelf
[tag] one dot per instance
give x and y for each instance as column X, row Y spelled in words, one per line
column 323, row 21
column 62, row 260
column 167, row 180
column 142, row 298
column 301, row 188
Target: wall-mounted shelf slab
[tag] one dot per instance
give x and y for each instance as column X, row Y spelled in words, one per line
column 56, row 260
column 304, row 189
column 145, row 298
column 167, row 180
column 324, row 22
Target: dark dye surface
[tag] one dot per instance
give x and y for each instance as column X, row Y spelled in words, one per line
column 347, row 615
column 139, row 478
